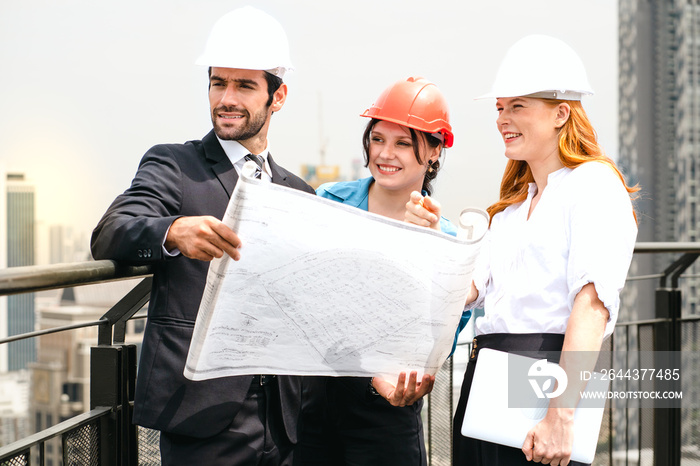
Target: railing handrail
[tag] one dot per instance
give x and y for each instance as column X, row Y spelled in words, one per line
column 29, row 279
column 32, row 278
column 666, row 247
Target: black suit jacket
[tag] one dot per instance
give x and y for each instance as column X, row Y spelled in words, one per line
column 174, row 180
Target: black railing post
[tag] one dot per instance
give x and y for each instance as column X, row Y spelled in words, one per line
column 105, row 372
column 129, row 429
column 113, row 377
column 667, row 347
column 667, row 421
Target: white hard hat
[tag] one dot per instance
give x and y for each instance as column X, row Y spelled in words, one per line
column 249, row 39
column 541, row 66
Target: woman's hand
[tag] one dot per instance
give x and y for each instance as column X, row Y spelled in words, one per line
column 404, row 394
column 423, row 211
column 551, row 440
column 472, row 294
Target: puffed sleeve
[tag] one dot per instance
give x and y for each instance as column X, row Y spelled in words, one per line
column 602, row 233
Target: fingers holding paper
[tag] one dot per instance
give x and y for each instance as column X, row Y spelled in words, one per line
column 203, row 238
column 423, row 211
column 405, row 392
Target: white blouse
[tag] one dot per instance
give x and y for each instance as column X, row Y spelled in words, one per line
column 530, row 270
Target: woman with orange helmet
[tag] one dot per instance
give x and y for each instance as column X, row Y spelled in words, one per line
column 361, row 420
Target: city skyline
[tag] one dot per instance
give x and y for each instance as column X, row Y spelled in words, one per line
column 90, row 87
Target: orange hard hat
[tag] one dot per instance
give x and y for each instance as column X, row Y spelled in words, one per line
column 416, row 103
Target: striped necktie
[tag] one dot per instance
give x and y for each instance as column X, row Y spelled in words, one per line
column 259, row 162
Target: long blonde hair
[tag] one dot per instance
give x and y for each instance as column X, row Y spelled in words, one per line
column 578, row 143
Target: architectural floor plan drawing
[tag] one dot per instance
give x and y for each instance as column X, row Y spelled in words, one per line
column 326, row 289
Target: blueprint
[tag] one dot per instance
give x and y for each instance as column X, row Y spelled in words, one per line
column 328, row 289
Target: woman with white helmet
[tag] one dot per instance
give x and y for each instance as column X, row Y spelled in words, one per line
column 359, row 420
column 559, row 245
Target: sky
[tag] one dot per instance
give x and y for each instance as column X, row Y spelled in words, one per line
column 87, row 87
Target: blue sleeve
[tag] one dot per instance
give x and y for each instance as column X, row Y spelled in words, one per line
column 447, row 227
column 466, row 315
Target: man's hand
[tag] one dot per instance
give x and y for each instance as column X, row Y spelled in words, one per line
column 203, row 238
column 404, row 394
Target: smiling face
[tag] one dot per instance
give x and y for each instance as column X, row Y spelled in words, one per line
column 530, row 128
column 239, row 110
column 392, row 160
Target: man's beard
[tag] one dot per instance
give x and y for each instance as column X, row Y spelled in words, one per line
column 240, row 133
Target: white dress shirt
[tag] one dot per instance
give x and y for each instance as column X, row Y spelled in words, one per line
column 530, row 270
column 236, row 154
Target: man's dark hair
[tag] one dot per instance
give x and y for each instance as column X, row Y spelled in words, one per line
column 273, row 83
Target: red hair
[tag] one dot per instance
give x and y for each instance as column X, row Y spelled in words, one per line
column 578, row 143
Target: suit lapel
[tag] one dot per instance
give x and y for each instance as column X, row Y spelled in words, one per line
column 223, row 168
column 221, row 165
column 278, row 175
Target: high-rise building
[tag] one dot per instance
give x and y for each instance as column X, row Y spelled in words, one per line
column 659, row 81
column 659, row 46
column 18, row 225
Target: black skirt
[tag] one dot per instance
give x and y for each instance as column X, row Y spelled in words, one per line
column 473, row 452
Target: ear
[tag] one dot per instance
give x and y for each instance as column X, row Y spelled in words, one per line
column 563, row 114
column 278, row 98
column 433, row 153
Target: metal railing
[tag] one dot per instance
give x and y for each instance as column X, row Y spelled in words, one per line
column 105, row 435
column 657, row 436
column 657, row 433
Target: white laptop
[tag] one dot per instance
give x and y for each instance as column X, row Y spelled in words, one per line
column 491, row 417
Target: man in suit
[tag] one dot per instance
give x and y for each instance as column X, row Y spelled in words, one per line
column 170, row 218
